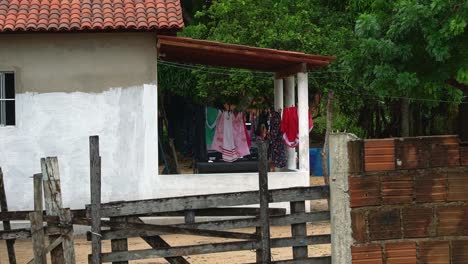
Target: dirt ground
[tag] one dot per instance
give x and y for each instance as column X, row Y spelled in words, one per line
column 83, row 247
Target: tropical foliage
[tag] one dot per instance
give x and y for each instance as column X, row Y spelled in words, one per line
column 387, row 51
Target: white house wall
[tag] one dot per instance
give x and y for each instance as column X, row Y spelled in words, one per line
column 72, row 86
column 59, row 124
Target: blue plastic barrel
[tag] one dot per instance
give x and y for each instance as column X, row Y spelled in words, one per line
column 315, row 161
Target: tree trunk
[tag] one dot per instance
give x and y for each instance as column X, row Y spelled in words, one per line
column 405, row 115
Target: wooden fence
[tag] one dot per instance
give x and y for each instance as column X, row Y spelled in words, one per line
column 125, row 220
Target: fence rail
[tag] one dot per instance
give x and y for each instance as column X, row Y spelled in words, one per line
column 125, row 220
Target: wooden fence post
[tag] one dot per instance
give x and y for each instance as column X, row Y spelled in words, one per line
column 189, row 216
column 37, row 225
column 37, row 235
column 118, row 245
column 264, row 200
column 299, row 231
column 53, row 204
column 6, row 224
column 67, row 235
column 53, row 201
column 95, row 185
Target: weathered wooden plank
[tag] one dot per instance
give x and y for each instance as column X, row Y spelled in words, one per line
column 38, row 237
column 299, row 231
column 264, row 197
column 211, row 248
column 67, row 244
column 120, row 244
column 51, row 246
column 171, row 229
column 311, row 260
column 189, row 217
column 53, row 200
column 6, row 224
column 157, row 242
column 95, row 212
column 24, row 215
column 37, row 225
column 15, row 234
column 224, row 211
column 223, row 225
column 258, row 251
column 213, row 200
column 38, row 194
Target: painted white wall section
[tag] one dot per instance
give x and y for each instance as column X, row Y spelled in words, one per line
column 279, row 102
column 303, row 115
column 59, row 124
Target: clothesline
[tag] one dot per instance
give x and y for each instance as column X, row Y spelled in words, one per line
column 268, row 76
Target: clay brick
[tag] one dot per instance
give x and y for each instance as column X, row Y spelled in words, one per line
column 457, row 185
column 445, row 151
column 434, row 252
column 400, row 253
column 412, row 153
column 364, row 191
column 465, row 222
column 460, row 252
column 359, row 226
column 384, row 224
column 368, row 254
column 416, row 221
column 451, row 220
column 430, row 186
column 397, row 189
column 464, row 155
column 379, row 155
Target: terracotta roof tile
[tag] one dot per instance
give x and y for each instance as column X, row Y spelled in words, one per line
column 96, row 15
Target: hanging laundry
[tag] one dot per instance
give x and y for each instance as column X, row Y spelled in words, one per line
column 240, row 135
column 263, row 125
column 210, row 126
column 290, row 126
column 278, row 151
column 224, row 140
column 253, row 126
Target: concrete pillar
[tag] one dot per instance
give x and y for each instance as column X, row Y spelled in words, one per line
column 303, row 116
column 340, row 210
column 290, row 100
column 279, row 94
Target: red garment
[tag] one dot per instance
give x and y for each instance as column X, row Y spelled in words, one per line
column 290, row 126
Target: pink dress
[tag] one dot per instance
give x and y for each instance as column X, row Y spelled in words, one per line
column 230, row 136
column 223, row 139
column 240, row 135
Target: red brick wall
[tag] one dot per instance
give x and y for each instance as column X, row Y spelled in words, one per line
column 409, row 201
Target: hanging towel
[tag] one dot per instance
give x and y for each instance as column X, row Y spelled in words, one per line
column 210, row 126
column 290, row 126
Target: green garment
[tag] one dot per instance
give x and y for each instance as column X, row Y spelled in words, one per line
column 210, row 126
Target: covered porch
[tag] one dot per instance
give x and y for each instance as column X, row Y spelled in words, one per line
column 291, row 88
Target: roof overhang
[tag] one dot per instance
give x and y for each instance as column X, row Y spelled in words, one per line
column 211, row 53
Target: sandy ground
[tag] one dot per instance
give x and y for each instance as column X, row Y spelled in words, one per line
column 83, row 247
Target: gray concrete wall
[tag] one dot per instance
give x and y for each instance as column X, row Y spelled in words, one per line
column 340, row 209
column 87, row 62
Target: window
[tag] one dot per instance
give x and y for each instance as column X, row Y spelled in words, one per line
column 7, row 99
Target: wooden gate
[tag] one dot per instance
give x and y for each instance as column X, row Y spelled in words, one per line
column 125, row 221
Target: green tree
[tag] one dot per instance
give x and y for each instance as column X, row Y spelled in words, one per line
column 410, row 48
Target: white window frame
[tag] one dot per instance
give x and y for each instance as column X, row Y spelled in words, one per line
column 3, row 98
